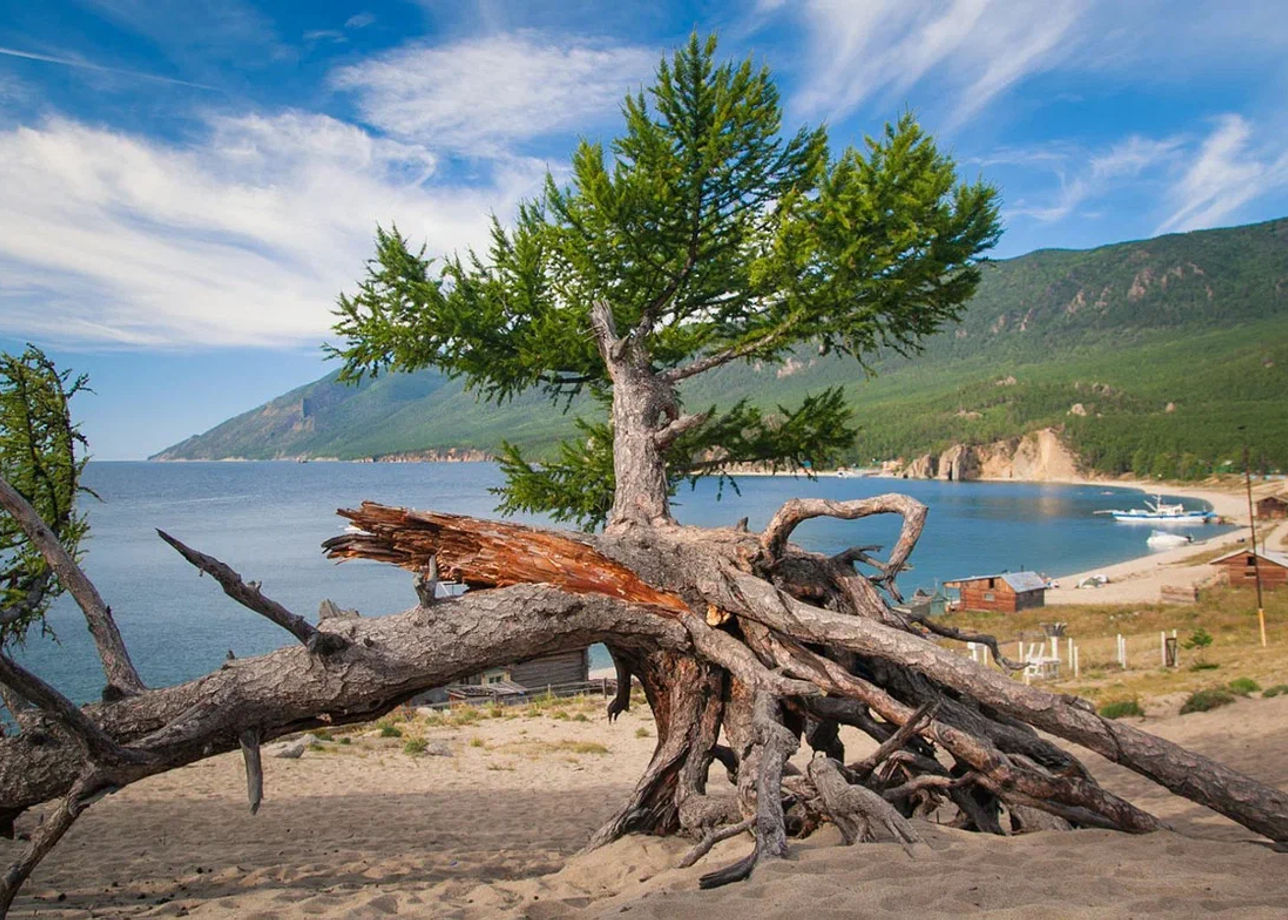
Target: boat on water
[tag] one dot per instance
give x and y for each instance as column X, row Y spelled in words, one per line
column 1159, row 539
column 1158, row 511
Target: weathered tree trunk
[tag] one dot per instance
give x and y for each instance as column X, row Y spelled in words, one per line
column 737, row 640
column 642, row 406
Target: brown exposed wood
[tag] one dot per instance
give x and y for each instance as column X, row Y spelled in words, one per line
column 489, row 554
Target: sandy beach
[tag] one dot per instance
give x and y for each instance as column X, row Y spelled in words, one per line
column 364, row 830
column 1141, row 579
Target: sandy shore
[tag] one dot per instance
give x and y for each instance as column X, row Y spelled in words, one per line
column 364, row 830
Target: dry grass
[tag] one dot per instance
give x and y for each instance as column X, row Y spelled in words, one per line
column 1229, row 614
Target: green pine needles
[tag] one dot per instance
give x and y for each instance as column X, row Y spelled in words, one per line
column 41, row 456
column 712, row 237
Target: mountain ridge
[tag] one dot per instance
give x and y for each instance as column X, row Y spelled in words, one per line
column 1196, row 320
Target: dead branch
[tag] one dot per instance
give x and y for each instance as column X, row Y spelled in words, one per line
column 250, row 597
column 897, row 740
column 117, row 666
column 792, row 513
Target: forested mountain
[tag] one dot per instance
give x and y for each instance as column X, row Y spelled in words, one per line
column 1148, row 355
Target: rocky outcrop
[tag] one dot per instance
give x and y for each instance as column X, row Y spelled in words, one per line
column 958, row 464
column 923, row 467
column 1036, row 457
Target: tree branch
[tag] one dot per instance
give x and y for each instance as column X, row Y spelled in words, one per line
column 250, row 597
column 665, row 437
column 733, row 353
column 117, row 666
column 792, row 513
column 98, row 745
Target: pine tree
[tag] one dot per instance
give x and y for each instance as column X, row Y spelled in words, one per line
column 701, row 236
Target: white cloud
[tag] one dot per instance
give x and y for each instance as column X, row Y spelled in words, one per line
column 975, row 49
column 1228, row 170
column 244, row 237
column 1088, row 177
column 485, row 94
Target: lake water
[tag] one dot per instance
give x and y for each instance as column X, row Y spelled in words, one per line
column 267, row 520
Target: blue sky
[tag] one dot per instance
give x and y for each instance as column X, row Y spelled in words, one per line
column 187, row 184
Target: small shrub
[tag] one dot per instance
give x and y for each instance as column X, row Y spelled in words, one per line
column 642, row 732
column 389, row 731
column 1204, row 666
column 465, row 715
column 1276, row 690
column 1119, row 709
column 323, row 734
column 345, row 739
column 315, row 746
column 415, row 746
column 495, row 711
column 476, row 742
column 580, row 717
column 1198, row 642
column 1243, row 686
column 1203, row 700
column 560, row 714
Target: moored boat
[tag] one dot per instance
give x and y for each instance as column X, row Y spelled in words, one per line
column 1158, row 511
column 1160, row 540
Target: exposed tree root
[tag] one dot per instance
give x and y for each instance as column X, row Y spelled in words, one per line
column 801, row 644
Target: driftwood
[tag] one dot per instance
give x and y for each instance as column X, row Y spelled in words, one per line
column 800, row 644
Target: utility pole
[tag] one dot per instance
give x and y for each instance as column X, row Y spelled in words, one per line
column 1252, row 527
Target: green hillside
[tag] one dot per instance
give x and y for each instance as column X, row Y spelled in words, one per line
column 1197, row 321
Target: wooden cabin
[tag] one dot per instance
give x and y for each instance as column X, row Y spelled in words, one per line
column 1239, row 568
column 519, row 680
column 1272, row 508
column 1008, row 592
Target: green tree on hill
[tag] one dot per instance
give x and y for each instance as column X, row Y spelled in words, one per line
column 699, row 237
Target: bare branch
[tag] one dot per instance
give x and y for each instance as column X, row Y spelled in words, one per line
column 96, row 742
column 713, row 837
column 665, row 437
column 792, row 513
column 117, row 667
column 896, row 741
column 250, row 597
column 249, row 741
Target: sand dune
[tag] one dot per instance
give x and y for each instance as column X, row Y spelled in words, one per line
column 364, row 830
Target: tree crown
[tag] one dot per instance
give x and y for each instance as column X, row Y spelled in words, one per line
column 710, row 237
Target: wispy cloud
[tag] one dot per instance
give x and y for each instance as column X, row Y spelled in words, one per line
column 244, row 238
column 1230, row 168
column 484, row 94
column 1084, row 176
column 975, row 49
column 68, row 61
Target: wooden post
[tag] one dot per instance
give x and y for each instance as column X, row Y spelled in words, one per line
column 1070, row 649
column 1076, row 671
column 1162, row 646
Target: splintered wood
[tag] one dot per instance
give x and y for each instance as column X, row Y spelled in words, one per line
column 488, row 554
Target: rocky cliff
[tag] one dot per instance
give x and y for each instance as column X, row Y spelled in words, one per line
column 1038, row 456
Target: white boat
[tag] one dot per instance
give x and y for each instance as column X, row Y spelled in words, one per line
column 1160, row 512
column 1160, row 540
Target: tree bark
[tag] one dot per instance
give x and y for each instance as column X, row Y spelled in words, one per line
column 950, row 730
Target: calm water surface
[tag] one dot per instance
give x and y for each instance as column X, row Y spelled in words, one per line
column 267, row 521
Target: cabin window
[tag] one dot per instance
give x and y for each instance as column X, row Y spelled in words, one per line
column 992, row 583
column 989, row 596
